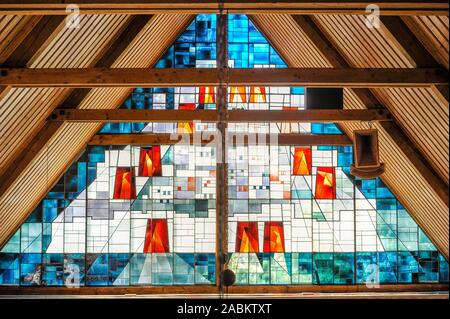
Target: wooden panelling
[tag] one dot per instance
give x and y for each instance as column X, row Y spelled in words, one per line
column 433, row 32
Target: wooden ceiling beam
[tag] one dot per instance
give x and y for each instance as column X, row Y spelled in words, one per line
column 144, row 77
column 407, row 42
column 387, row 7
column 400, row 138
column 260, row 116
column 234, row 138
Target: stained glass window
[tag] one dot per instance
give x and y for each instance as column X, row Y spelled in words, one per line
column 146, row 215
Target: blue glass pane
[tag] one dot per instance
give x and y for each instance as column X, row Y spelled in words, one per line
column 366, row 267
column 323, row 268
column 443, row 269
column 9, row 269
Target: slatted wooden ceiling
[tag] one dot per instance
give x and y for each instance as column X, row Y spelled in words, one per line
column 13, row 31
column 433, row 33
column 420, row 112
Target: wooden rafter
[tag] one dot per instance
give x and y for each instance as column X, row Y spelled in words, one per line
column 327, row 48
column 262, row 116
column 408, row 42
column 233, row 138
column 313, row 77
column 388, row 7
column 430, row 33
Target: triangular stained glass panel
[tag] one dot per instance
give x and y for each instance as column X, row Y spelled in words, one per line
column 361, row 224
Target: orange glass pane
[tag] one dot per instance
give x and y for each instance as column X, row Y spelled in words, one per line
column 302, row 161
column 186, row 127
column 156, row 237
column 273, row 237
column 191, row 184
column 247, row 237
column 207, row 95
column 326, row 183
column 238, row 94
column 258, row 94
column 125, row 186
column 150, row 161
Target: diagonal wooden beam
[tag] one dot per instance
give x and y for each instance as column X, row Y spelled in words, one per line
column 427, row 31
column 144, row 77
column 387, row 7
column 41, row 137
column 410, row 44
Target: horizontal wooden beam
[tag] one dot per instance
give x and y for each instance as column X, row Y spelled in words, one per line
column 312, row 77
column 387, row 7
column 210, row 289
column 263, row 116
column 234, row 138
